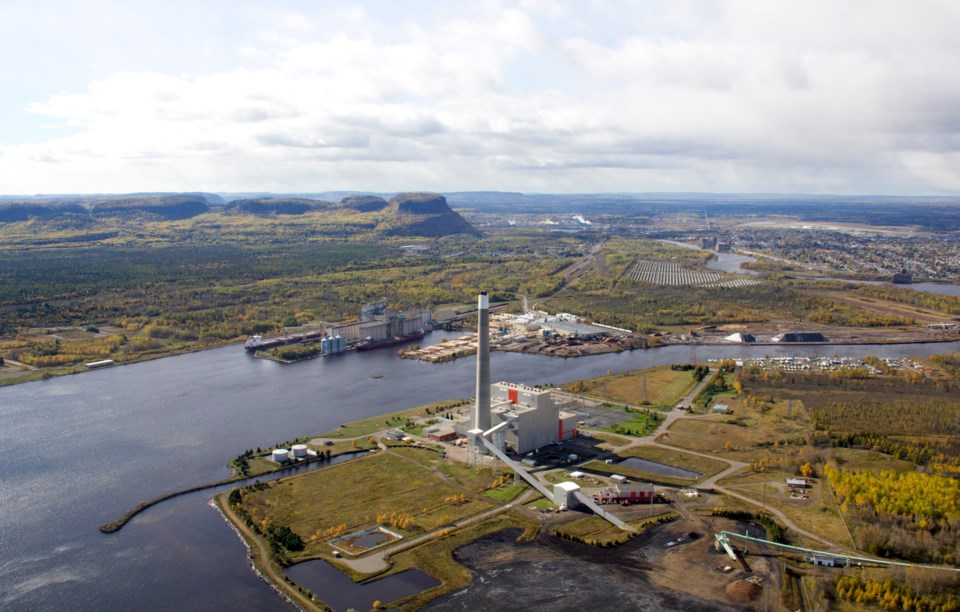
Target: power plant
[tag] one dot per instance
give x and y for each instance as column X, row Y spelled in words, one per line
column 525, row 418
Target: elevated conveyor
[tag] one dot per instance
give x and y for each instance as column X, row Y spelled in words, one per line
column 516, row 467
column 589, row 503
column 539, row 486
column 723, row 538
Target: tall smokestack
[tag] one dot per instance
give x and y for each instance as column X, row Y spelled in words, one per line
column 481, row 412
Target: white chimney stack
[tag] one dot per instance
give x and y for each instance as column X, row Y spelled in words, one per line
column 481, row 412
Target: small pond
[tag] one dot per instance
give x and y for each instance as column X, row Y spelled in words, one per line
column 337, row 590
column 362, row 541
column 654, row 467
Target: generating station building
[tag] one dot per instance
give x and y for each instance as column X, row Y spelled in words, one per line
column 535, row 420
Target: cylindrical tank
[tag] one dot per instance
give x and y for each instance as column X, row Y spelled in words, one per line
column 325, row 346
column 341, row 344
column 280, row 455
column 299, row 450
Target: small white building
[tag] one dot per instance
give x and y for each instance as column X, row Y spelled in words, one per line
column 565, row 494
column 828, row 561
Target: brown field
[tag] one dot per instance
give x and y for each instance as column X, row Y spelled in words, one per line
column 410, row 482
column 818, row 513
column 749, row 431
column 610, row 441
column 921, row 315
column 657, row 386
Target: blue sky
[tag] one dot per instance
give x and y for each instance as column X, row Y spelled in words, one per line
column 524, row 95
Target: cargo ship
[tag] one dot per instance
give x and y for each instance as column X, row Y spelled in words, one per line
column 368, row 344
column 258, row 343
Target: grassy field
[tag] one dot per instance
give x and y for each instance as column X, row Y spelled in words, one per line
column 408, row 489
column 397, row 419
column 642, row 424
column 713, row 393
column 654, row 386
column 818, row 513
column 610, row 440
column 750, row 431
column 506, row 493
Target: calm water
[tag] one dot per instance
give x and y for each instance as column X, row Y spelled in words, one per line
column 730, row 263
column 936, row 288
column 78, row 451
column 318, row 576
column 654, row 467
column 725, row 262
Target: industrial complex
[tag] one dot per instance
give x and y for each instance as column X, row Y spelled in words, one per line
column 378, row 326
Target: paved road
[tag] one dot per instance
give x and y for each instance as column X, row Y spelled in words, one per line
column 712, row 481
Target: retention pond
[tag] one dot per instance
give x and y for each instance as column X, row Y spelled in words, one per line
column 341, row 593
column 661, row 469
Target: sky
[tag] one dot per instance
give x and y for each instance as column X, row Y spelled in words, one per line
column 835, row 96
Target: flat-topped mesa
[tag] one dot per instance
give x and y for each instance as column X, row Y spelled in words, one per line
column 421, row 204
column 364, row 203
column 422, row 214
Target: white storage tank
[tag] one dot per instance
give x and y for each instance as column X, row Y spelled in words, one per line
column 280, row 455
column 299, row 450
column 325, row 346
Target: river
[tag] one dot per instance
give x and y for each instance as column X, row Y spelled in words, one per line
column 78, row 451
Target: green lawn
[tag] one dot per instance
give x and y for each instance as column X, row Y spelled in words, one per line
column 505, row 493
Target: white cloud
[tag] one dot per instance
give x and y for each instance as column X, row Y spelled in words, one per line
column 541, row 95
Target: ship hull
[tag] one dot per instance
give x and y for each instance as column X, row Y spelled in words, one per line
column 369, row 346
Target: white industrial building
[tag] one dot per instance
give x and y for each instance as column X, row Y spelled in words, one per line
column 535, row 420
column 565, row 495
column 563, row 324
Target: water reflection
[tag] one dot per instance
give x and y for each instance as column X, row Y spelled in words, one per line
column 653, row 467
column 341, row 593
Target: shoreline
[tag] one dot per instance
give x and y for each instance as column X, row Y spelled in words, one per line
column 46, row 375
column 267, row 575
column 126, row 517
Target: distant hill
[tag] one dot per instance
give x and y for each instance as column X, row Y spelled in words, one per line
column 364, row 203
column 168, row 207
column 422, row 214
column 13, row 212
column 405, row 214
column 276, row 206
